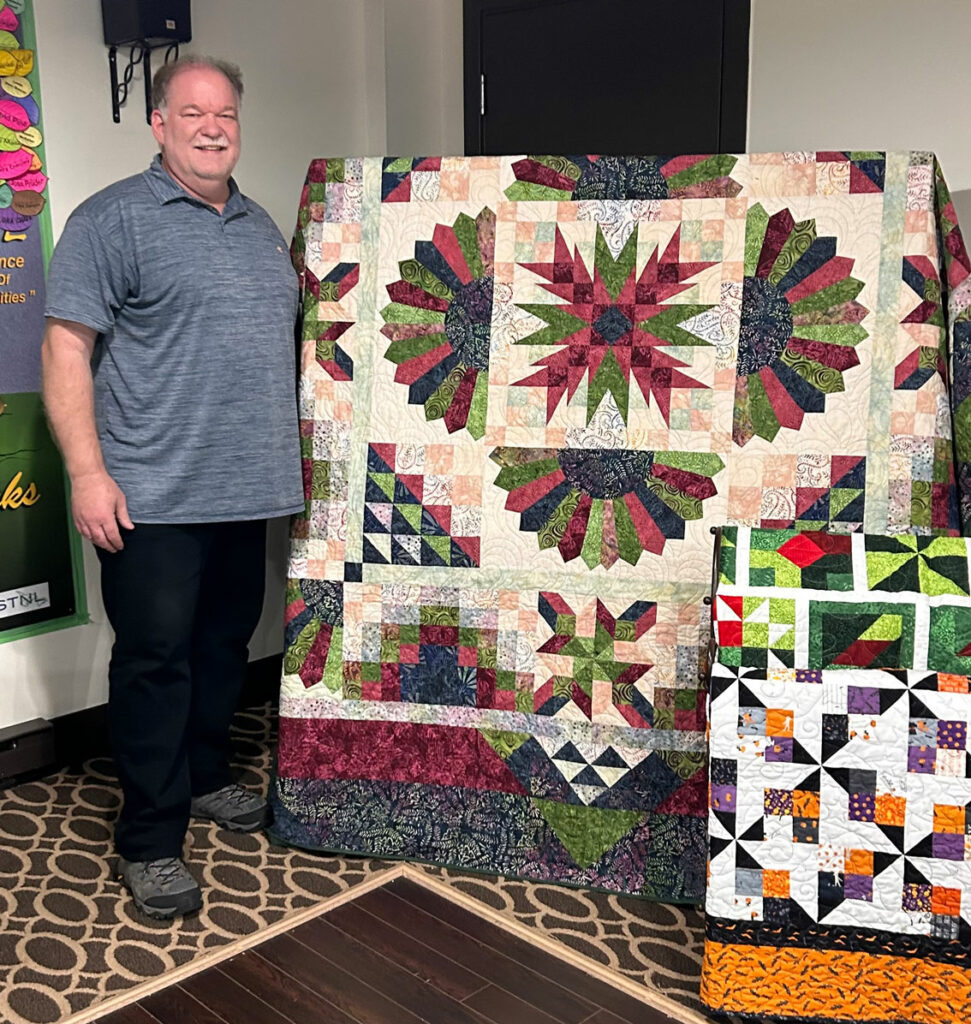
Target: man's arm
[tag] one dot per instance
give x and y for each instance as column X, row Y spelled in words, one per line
column 97, row 502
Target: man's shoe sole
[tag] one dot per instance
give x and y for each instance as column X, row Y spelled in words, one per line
column 188, row 903
column 234, row 825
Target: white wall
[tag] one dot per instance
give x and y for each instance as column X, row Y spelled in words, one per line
column 424, row 83
column 317, row 75
column 310, row 87
column 864, row 74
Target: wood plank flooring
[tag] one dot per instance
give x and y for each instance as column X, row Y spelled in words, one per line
column 397, row 955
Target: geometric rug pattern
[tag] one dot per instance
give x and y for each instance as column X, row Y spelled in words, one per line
column 70, row 935
column 71, row 941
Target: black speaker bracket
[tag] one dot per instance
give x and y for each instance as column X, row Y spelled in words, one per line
column 139, row 52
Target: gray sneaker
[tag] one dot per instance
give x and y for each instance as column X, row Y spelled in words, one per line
column 161, row 888
column 232, row 807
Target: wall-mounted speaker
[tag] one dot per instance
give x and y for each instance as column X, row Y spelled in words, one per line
column 155, row 22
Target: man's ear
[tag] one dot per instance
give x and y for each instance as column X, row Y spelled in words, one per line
column 158, row 126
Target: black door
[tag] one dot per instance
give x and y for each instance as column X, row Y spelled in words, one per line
column 606, row 76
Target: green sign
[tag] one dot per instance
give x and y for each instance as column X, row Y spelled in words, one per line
column 41, row 578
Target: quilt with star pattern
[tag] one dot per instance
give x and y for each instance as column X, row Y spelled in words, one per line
column 840, row 800
column 530, row 387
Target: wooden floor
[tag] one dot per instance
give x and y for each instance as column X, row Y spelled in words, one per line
column 397, row 955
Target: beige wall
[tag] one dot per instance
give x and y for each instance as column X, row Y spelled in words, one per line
column 424, row 95
column 318, row 77
column 864, row 74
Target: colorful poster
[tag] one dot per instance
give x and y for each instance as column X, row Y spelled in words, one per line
column 41, row 582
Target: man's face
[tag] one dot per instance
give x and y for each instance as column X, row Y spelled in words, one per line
column 199, row 130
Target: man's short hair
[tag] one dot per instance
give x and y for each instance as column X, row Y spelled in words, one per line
column 162, row 78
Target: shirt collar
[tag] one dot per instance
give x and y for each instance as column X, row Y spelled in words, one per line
column 168, row 190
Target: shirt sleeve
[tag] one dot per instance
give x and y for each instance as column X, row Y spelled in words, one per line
column 88, row 279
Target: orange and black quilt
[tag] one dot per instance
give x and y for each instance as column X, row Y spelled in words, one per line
column 839, row 881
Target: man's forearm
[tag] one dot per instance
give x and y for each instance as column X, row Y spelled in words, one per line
column 69, row 397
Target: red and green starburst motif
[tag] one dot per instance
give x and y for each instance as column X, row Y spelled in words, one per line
column 440, row 319
column 800, row 324
column 615, row 325
column 595, row 658
column 600, row 504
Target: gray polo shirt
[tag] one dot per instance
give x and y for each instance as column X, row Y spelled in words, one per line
column 194, row 375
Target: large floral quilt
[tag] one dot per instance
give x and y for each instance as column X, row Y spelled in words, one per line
column 529, row 388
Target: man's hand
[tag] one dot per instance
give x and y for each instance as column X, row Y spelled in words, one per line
column 99, row 508
column 97, row 502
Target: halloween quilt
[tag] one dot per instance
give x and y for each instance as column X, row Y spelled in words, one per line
column 530, row 386
column 840, row 801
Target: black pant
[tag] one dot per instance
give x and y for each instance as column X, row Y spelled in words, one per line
column 183, row 601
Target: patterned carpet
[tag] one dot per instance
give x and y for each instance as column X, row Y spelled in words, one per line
column 69, row 940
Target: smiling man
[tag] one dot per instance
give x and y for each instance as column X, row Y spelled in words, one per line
column 169, row 381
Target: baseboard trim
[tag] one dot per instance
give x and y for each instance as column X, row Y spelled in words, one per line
column 82, row 735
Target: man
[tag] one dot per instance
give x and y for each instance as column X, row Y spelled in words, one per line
column 169, row 382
